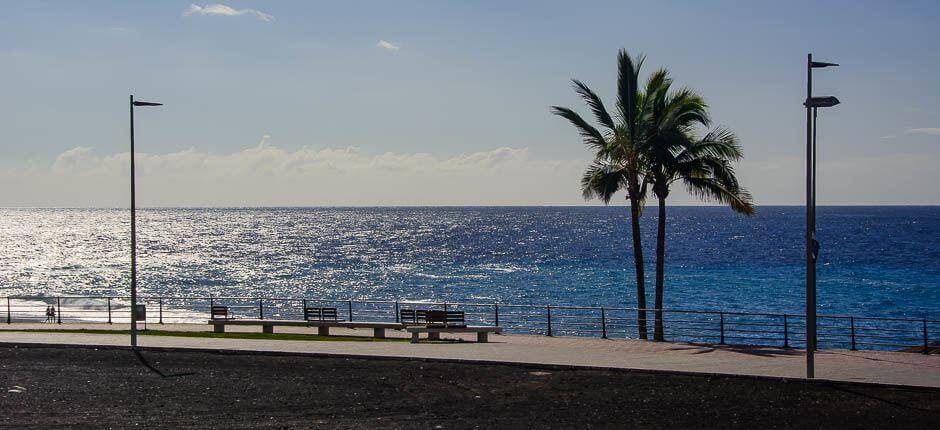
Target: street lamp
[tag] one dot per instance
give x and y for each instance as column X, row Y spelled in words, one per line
column 134, row 227
column 812, row 245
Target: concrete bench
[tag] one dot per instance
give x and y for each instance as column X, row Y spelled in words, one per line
column 378, row 327
column 323, row 327
column 434, row 333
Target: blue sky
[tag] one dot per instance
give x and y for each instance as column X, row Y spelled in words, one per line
column 301, row 103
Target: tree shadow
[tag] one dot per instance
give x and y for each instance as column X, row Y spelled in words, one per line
column 760, row 351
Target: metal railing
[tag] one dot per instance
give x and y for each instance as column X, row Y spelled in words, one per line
column 716, row 327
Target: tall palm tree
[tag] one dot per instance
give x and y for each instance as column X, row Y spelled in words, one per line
column 673, row 153
column 618, row 159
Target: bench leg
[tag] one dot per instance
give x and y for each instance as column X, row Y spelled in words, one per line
column 482, row 337
column 378, row 333
column 433, row 335
column 323, row 330
column 218, row 328
column 268, row 329
column 414, row 337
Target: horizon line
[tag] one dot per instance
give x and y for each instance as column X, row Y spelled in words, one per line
column 465, row 206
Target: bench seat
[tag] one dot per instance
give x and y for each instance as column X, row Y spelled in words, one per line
column 323, row 327
column 434, row 333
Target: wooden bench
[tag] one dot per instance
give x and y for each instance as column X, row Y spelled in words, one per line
column 436, row 318
column 431, row 316
column 218, row 312
column 435, row 322
column 320, row 314
column 413, row 316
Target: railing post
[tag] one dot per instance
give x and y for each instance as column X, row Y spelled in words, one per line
column 852, row 331
column 260, row 308
column 496, row 313
column 926, row 342
column 211, row 303
column 161, row 310
column 109, row 310
column 350, row 311
column 397, row 313
column 603, row 324
column 721, row 326
column 548, row 309
column 304, row 309
column 786, row 332
column 9, row 319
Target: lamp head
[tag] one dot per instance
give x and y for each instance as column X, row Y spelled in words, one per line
column 821, row 64
column 821, row 102
column 136, row 103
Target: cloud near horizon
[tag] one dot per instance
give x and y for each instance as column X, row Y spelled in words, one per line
column 388, row 46
column 928, row 130
column 268, row 175
column 223, row 10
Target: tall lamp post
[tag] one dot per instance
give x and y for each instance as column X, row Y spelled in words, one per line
column 134, row 227
column 812, row 245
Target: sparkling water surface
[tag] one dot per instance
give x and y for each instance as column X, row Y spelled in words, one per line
column 875, row 261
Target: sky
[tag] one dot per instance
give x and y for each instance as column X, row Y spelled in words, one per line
column 302, row 103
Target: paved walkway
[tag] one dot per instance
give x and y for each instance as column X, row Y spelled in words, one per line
column 842, row 365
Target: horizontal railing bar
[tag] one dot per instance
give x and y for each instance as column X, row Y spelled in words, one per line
column 526, row 318
column 503, row 305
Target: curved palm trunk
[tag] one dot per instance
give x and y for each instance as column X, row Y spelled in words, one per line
column 660, row 271
column 638, row 263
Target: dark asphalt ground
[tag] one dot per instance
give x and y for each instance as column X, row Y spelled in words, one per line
column 89, row 388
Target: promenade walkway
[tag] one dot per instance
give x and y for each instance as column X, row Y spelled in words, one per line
column 841, row 365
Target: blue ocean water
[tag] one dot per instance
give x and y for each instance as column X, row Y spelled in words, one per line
column 875, row 261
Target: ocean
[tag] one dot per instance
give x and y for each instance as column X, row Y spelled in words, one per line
column 874, row 261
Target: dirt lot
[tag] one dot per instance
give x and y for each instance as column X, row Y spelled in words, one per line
column 46, row 387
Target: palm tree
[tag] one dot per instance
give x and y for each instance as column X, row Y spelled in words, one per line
column 617, row 156
column 673, row 153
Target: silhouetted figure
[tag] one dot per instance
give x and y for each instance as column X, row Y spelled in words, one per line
column 52, row 314
column 48, row 313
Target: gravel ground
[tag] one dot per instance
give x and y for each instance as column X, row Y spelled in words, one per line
column 46, row 387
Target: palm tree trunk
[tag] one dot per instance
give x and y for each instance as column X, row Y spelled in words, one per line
column 638, row 262
column 660, row 263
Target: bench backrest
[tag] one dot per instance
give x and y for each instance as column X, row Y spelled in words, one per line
column 413, row 316
column 447, row 318
column 328, row 314
column 218, row 312
column 320, row 314
column 428, row 316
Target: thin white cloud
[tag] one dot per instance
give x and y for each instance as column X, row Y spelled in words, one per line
column 388, row 46
column 933, row 131
column 266, row 174
column 223, row 10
